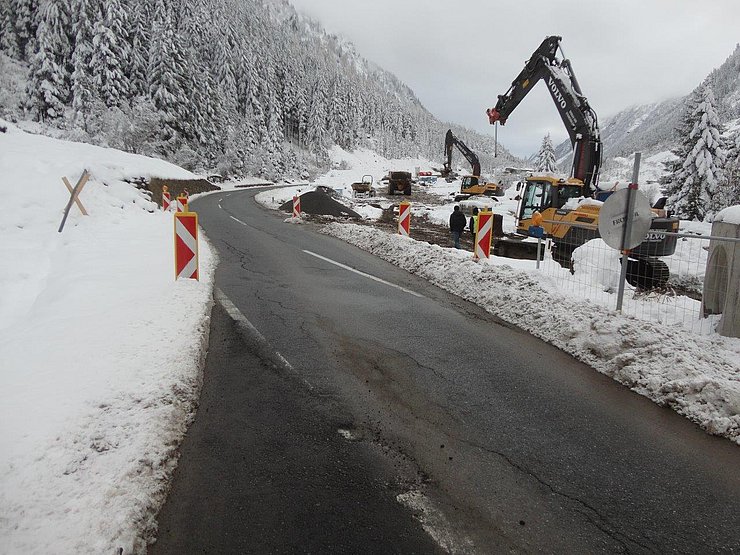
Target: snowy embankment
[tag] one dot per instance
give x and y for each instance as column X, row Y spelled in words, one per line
column 698, row 376
column 101, row 349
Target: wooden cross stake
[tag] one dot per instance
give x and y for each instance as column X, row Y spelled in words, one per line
column 73, row 194
column 77, row 196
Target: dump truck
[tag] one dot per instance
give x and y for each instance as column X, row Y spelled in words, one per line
column 399, row 182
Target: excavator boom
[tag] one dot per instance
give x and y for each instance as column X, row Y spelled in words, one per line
column 451, row 141
column 577, row 115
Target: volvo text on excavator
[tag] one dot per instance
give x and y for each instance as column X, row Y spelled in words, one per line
column 555, row 197
column 471, row 184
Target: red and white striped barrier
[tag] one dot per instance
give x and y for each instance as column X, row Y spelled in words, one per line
column 182, row 204
column 166, row 201
column 483, row 236
column 296, row 207
column 404, row 218
column 186, row 245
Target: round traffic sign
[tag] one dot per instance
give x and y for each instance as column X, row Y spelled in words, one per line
column 613, row 217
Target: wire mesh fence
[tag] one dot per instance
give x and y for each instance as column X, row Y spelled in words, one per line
column 665, row 274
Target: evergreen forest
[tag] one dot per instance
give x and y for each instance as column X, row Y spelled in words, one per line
column 242, row 87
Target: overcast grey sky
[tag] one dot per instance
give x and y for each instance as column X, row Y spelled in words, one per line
column 458, row 55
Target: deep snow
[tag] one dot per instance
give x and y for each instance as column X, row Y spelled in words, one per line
column 101, row 349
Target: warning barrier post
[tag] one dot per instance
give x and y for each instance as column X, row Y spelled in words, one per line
column 404, row 218
column 296, row 206
column 166, row 199
column 186, row 245
column 182, row 204
column 482, row 247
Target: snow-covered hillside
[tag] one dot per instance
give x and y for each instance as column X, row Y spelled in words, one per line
column 247, row 87
column 101, row 349
column 651, row 128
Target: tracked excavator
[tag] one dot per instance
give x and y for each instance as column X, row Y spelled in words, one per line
column 554, row 197
column 471, row 184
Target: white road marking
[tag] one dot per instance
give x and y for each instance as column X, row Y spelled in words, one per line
column 237, row 220
column 254, row 334
column 330, row 261
column 435, row 523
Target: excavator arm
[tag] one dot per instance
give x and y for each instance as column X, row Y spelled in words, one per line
column 577, row 115
column 451, row 141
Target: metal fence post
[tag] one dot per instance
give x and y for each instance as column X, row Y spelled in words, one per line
column 539, row 247
column 628, row 229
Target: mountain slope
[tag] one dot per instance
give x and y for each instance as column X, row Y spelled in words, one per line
column 247, row 86
column 650, row 128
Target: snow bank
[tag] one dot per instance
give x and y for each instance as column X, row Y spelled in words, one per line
column 730, row 215
column 698, row 376
column 101, row 349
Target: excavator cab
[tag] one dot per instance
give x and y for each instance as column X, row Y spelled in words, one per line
column 475, row 185
column 549, row 196
column 469, row 181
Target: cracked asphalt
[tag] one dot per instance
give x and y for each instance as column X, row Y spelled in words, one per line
column 518, row 447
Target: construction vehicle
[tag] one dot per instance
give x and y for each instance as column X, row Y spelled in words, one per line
column 398, row 181
column 471, row 184
column 363, row 188
column 555, row 198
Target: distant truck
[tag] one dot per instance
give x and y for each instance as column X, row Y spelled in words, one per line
column 399, row 181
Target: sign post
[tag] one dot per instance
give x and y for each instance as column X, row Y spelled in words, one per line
column 624, row 221
column 536, row 230
column 404, row 218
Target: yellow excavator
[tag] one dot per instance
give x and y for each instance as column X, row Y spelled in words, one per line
column 556, row 198
column 471, row 184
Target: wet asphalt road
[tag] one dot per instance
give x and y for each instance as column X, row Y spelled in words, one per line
column 518, row 447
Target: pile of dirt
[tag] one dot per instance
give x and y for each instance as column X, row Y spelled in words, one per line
column 321, row 204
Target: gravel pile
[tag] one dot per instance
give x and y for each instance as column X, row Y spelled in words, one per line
column 318, row 203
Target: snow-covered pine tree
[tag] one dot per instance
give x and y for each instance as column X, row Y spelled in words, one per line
column 300, row 109
column 680, row 133
column 48, row 83
column 224, row 51
column 337, row 117
column 166, row 76
column 545, row 161
column 317, row 138
column 693, row 184
column 8, row 40
column 110, row 55
column 203, row 104
column 84, row 15
column 140, row 22
column 25, row 26
column 728, row 193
